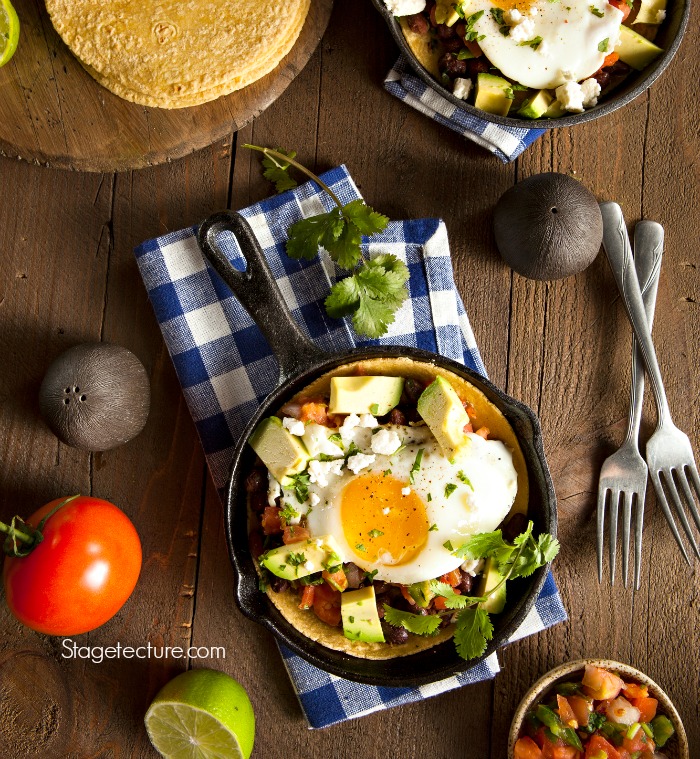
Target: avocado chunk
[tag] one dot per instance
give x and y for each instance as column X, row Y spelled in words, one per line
column 636, row 51
column 651, row 12
column 282, row 453
column 555, row 111
column 537, row 105
column 365, row 395
column 445, row 13
column 493, row 94
column 490, row 578
column 304, row 558
column 421, row 593
column 360, row 616
column 443, row 412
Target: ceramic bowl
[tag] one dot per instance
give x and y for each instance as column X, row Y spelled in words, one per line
column 677, row 747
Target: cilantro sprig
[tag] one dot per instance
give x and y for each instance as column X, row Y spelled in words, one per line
column 376, row 287
column 414, row 623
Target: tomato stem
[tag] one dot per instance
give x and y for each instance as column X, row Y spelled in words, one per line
column 28, row 536
column 19, row 534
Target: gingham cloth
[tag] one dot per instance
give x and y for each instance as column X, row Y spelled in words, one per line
column 505, row 142
column 226, row 369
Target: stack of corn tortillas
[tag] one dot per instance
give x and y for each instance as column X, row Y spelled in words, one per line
column 177, row 53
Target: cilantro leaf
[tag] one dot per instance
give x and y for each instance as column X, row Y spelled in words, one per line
column 300, row 483
column 365, row 219
column 416, row 466
column 345, row 248
column 474, row 630
column 452, row 599
column 277, row 170
column 288, row 512
column 414, row 623
column 485, row 544
column 548, row 548
column 603, row 46
column 306, row 235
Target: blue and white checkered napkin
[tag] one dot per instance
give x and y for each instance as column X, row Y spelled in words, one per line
column 505, row 142
column 226, row 369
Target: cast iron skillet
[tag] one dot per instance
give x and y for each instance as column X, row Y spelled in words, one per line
column 300, row 363
column 669, row 38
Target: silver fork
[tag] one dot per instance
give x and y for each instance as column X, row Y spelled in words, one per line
column 669, row 453
column 623, row 476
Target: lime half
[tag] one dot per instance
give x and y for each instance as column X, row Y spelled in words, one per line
column 202, row 714
column 9, row 31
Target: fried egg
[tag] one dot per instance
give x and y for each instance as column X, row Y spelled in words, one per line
column 399, row 507
column 545, row 43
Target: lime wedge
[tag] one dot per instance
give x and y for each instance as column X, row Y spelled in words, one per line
column 9, row 31
column 202, row 714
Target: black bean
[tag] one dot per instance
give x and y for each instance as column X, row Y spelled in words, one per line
column 418, row 23
column 476, row 66
column 397, row 417
column 412, row 387
column 354, row 575
column 452, row 45
column 465, row 584
column 278, row 584
column 602, row 77
column 394, row 635
column 514, row 527
column 256, row 480
column 445, row 32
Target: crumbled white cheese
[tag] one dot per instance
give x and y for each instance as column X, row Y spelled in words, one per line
column 591, row 90
column 314, row 500
column 523, row 31
column 513, row 17
column 385, row 442
column 660, row 16
column 309, row 566
column 360, row 461
column 350, row 421
column 534, row 11
column 386, row 510
column 570, row 95
column 405, row 7
column 405, row 491
column 273, row 489
column 462, row 88
column 319, row 471
column 472, row 567
column 367, row 420
column 295, row 426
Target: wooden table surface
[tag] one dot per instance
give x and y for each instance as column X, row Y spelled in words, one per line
column 69, row 275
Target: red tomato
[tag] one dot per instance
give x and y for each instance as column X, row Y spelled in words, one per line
column 622, row 6
column 337, row 580
column 646, row 706
column 582, row 708
column 600, row 684
column 81, row 573
column 314, row 411
column 526, row 748
column 452, row 578
column 640, row 742
column 271, row 521
column 559, row 750
column 598, row 746
column 566, row 713
column 307, row 597
column 327, row 604
column 293, row 534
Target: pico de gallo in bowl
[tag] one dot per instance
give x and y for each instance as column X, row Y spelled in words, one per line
column 597, row 710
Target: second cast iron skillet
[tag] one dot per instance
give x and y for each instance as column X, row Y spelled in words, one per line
column 301, row 362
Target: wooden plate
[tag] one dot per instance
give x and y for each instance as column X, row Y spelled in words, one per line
column 53, row 112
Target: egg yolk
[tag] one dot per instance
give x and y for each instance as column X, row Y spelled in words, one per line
column 382, row 525
column 508, row 5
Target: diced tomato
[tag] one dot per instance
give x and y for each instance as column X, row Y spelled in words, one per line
column 526, row 748
column 469, row 408
column 559, row 750
column 647, row 707
column 468, row 427
column 407, row 595
column 473, row 47
column 566, row 713
column 610, row 60
column 271, row 520
column 337, row 580
column 452, row 578
column 634, row 690
column 439, row 601
column 600, row 684
column 582, row 708
column 483, row 432
column 327, row 604
column 639, row 742
column 294, row 533
column 314, row 411
column 307, row 597
column 598, row 747
column 622, row 5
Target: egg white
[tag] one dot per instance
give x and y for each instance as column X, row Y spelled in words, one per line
column 479, row 502
column 571, row 35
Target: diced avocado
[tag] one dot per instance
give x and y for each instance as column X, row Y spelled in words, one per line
column 537, row 105
column 282, row 453
column 555, row 111
column 320, row 440
column 360, row 616
column 365, row 395
column 421, row 593
column 493, row 94
column 443, row 412
column 663, row 730
column 490, row 578
column 650, row 12
column 297, row 560
column 636, row 51
column 445, row 12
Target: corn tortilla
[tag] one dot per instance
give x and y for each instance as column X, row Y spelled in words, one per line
column 486, row 415
column 172, row 54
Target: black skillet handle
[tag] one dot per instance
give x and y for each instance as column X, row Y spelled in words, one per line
column 258, row 292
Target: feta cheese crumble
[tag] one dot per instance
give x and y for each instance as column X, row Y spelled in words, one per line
column 523, row 31
column 570, row 96
column 405, row 7
column 405, row 491
column 360, row 461
column 462, row 88
column 386, row 510
column 472, row 567
column 294, row 426
column 319, row 471
column 591, row 90
column 367, row 420
column 385, row 442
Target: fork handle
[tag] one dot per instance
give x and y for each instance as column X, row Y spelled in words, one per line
column 619, row 252
column 648, row 249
